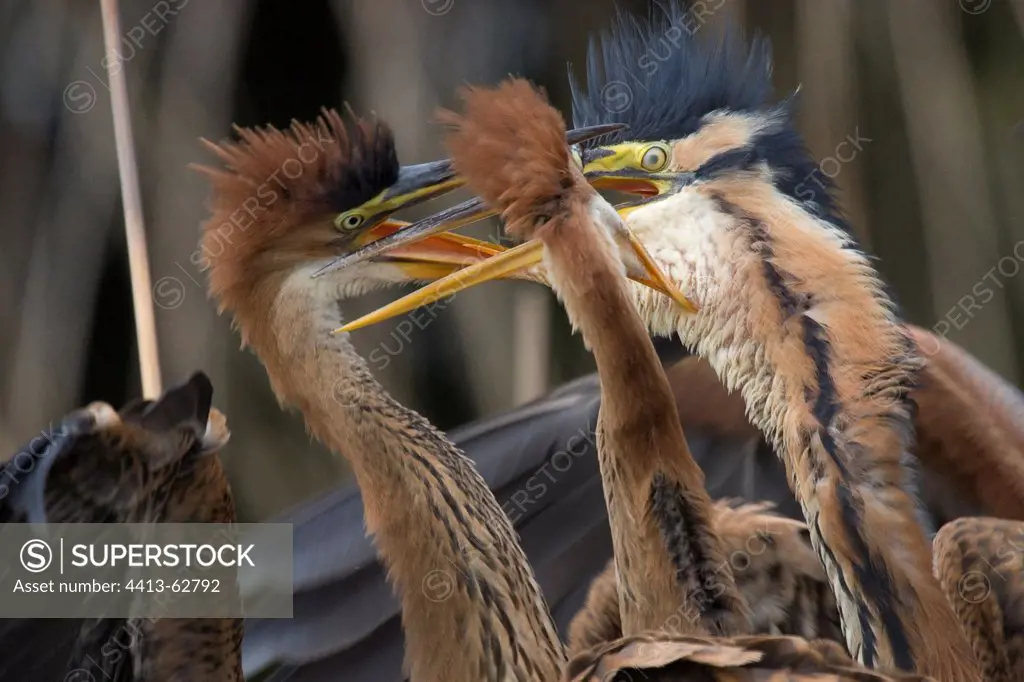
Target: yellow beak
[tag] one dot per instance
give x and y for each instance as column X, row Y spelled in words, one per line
column 484, row 262
column 520, row 262
column 432, row 258
column 419, row 183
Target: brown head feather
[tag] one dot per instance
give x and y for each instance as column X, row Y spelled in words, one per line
column 536, row 167
column 272, row 208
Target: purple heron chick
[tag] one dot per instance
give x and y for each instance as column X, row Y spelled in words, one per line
column 154, row 462
column 509, row 147
column 799, row 323
column 471, row 608
column 792, row 315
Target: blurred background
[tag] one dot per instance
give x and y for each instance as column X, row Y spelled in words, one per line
column 915, row 108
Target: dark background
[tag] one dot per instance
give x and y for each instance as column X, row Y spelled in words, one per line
column 933, row 90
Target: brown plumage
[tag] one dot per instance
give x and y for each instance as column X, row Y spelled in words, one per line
column 736, row 659
column 673, row 571
column 978, row 561
column 825, row 369
column 266, row 223
column 154, row 462
column 794, row 318
column 470, row 606
column 776, row 571
column 491, row 148
column 962, row 407
column 967, row 437
column 970, row 431
column 792, row 315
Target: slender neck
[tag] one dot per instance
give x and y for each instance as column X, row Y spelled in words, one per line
column 670, row 560
column 795, row 318
column 470, row 605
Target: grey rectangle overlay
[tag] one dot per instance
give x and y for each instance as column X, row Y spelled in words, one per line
column 167, row 570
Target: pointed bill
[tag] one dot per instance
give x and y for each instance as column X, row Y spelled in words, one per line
column 441, row 248
column 658, row 280
column 458, row 216
column 506, row 264
column 512, row 263
column 466, row 213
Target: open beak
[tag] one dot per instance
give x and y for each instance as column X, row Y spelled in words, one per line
column 613, row 168
column 427, row 181
column 430, row 228
column 650, row 187
column 434, row 257
column 518, row 263
column 518, row 259
column 640, row 183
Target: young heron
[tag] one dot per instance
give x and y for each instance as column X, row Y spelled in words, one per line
column 791, row 314
column 568, row 550
column 471, row 608
column 508, row 147
column 154, row 462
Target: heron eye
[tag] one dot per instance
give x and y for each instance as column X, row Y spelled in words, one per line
column 349, row 221
column 654, row 159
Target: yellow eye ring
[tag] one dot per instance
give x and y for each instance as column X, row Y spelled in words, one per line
column 348, row 221
column 654, row 158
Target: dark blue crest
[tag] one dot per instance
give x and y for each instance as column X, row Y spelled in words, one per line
column 661, row 76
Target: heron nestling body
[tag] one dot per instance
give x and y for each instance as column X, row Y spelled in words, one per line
column 564, row 528
column 509, row 148
column 791, row 315
column 154, row 462
column 470, row 606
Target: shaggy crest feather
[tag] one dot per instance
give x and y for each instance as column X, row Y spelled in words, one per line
column 665, row 82
column 535, row 167
column 276, row 181
column 656, row 76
